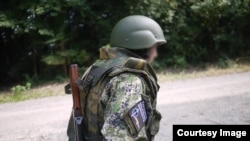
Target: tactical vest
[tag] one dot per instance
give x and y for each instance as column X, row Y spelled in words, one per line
column 113, row 62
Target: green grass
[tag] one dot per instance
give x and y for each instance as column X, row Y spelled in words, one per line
column 34, row 93
column 56, row 89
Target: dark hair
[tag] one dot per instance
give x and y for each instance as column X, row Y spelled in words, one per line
column 144, row 53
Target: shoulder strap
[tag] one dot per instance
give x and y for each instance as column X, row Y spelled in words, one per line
column 93, row 77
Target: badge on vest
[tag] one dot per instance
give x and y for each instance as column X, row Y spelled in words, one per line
column 138, row 115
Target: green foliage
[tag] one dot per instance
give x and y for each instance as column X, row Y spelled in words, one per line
column 60, row 78
column 206, row 31
column 40, row 38
column 177, row 62
column 54, row 60
column 19, row 89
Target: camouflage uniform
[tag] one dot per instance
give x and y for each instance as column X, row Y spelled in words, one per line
column 121, row 93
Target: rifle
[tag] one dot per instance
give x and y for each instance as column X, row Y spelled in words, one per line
column 76, row 110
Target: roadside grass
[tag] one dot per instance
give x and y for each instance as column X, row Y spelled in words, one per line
column 34, row 93
column 173, row 75
column 56, row 89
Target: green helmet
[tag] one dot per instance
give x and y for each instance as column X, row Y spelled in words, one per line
column 136, row 32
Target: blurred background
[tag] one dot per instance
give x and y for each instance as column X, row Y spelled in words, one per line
column 40, row 38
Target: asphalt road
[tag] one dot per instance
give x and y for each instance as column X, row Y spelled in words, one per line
column 222, row 99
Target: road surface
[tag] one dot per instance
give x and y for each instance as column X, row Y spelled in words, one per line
column 222, row 99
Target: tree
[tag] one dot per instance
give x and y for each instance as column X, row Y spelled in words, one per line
column 39, row 38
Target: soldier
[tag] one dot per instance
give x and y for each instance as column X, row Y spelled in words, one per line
column 122, row 86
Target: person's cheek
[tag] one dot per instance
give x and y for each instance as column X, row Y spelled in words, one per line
column 155, row 53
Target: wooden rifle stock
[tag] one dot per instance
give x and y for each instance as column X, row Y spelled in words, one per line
column 77, row 110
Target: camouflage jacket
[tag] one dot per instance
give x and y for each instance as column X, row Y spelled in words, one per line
column 132, row 82
column 121, row 93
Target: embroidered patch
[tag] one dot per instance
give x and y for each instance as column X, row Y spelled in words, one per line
column 138, row 115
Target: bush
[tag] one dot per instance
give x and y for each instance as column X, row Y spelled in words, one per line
column 48, row 35
column 19, row 89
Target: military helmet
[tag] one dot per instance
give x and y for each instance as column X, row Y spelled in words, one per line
column 136, row 32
